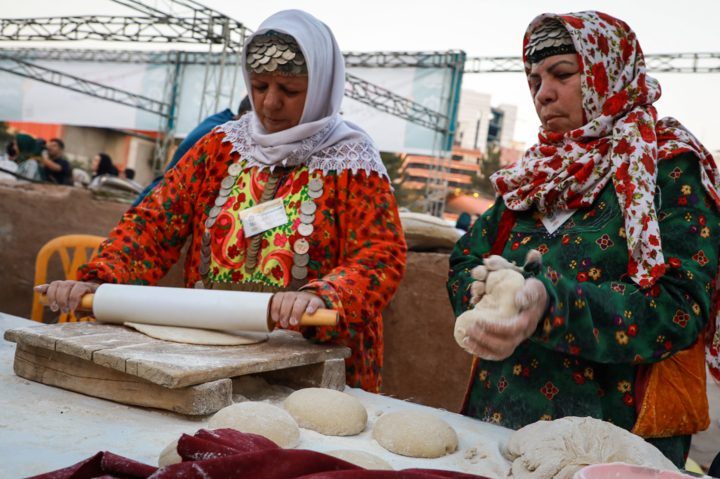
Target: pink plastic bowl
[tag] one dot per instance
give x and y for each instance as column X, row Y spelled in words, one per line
column 625, row 471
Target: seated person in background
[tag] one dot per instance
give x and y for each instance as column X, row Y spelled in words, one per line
column 103, row 165
column 201, row 130
column 127, row 174
column 27, row 159
column 56, row 168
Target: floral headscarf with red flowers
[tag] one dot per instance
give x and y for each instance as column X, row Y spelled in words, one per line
column 622, row 141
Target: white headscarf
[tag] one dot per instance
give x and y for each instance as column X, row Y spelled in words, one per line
column 322, row 140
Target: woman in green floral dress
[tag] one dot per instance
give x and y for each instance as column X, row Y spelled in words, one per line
column 617, row 213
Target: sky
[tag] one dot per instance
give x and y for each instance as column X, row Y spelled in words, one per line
column 480, row 28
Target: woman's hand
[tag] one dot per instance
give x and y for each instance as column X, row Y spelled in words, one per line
column 495, row 263
column 496, row 341
column 66, row 295
column 287, row 308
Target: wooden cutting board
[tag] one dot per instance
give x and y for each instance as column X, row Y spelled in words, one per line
column 121, row 364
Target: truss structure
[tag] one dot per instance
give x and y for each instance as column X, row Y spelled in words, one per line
column 387, row 101
column 355, row 88
column 664, row 62
column 54, row 77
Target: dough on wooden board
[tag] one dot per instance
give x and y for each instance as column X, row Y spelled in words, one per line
column 198, row 336
column 169, row 455
column 415, row 434
column 361, row 459
column 329, row 412
column 497, row 304
column 560, row 448
column 259, row 418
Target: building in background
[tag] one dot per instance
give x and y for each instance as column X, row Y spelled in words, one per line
column 127, row 148
column 479, row 126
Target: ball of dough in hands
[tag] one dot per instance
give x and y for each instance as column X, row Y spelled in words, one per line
column 415, row 434
column 329, row 412
column 259, row 418
column 498, row 289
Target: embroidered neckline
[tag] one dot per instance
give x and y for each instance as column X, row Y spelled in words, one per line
column 351, row 155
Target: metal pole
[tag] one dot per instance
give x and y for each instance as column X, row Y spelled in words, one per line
column 226, row 39
column 207, row 71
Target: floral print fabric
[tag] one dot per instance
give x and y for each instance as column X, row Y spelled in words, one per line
column 582, row 359
column 357, row 248
column 622, row 141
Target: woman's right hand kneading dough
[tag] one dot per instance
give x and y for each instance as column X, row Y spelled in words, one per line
column 496, row 340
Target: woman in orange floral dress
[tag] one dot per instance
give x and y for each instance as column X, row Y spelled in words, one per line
column 340, row 246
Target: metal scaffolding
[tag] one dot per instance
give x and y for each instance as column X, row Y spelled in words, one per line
column 53, row 77
column 659, row 62
column 189, row 22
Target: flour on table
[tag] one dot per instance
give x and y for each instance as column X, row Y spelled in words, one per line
column 361, row 459
column 415, row 434
column 560, row 448
column 327, row 411
column 198, row 336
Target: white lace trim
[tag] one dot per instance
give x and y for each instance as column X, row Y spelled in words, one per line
column 354, row 156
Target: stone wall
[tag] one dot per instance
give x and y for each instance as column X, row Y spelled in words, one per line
column 422, row 361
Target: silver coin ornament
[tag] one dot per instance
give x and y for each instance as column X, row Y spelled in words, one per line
column 301, row 259
column 220, row 200
column 275, row 53
column 204, row 269
column 316, row 184
column 214, row 211
column 301, row 246
column 308, row 208
column 210, row 222
column 315, row 194
column 307, row 219
column 305, row 229
column 205, row 250
column 235, row 169
column 228, row 182
column 299, row 272
column 199, row 285
column 205, row 240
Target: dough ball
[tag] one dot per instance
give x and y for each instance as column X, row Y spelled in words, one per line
column 259, row 418
column 169, row 455
column 362, row 459
column 415, row 434
column 327, row 411
column 560, row 448
column 497, row 304
column 198, row 336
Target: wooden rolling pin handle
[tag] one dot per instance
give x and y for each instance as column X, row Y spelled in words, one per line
column 321, row 317
column 86, row 304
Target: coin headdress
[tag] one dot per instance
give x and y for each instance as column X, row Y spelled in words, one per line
column 277, row 53
column 551, row 38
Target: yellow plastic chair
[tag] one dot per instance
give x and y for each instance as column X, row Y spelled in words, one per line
column 61, row 245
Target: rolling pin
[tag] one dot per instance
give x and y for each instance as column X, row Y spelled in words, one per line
column 189, row 308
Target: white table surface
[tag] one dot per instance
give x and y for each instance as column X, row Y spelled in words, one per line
column 43, row 428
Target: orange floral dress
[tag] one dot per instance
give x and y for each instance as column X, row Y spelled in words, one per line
column 357, row 247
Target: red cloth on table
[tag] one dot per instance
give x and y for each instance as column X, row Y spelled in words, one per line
column 226, row 453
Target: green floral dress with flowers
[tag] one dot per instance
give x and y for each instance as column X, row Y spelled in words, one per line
column 599, row 325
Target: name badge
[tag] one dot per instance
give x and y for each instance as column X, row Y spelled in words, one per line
column 556, row 218
column 263, row 217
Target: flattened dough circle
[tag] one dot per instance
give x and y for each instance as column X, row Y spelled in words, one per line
column 415, row 434
column 198, row 336
column 329, row 412
column 259, row 418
